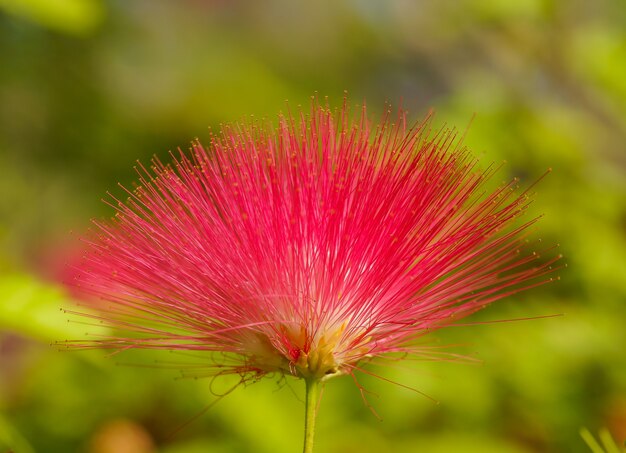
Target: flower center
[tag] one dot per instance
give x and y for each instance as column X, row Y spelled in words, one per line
column 320, row 362
column 297, row 353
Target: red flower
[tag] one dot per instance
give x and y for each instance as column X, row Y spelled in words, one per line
column 307, row 248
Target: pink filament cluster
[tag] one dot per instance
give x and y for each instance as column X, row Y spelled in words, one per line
column 321, row 233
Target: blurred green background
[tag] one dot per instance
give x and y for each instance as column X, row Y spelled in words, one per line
column 87, row 87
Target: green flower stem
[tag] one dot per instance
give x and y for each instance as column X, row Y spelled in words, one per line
column 312, row 397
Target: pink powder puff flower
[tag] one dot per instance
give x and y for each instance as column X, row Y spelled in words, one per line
column 307, row 248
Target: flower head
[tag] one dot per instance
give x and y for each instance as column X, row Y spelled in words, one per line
column 307, row 248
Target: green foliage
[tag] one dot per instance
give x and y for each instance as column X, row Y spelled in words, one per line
column 608, row 443
column 77, row 17
column 11, row 439
column 87, row 87
column 35, row 309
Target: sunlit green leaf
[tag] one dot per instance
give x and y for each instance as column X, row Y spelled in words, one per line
column 35, row 309
column 77, row 17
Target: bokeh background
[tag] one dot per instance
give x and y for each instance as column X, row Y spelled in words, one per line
column 89, row 86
